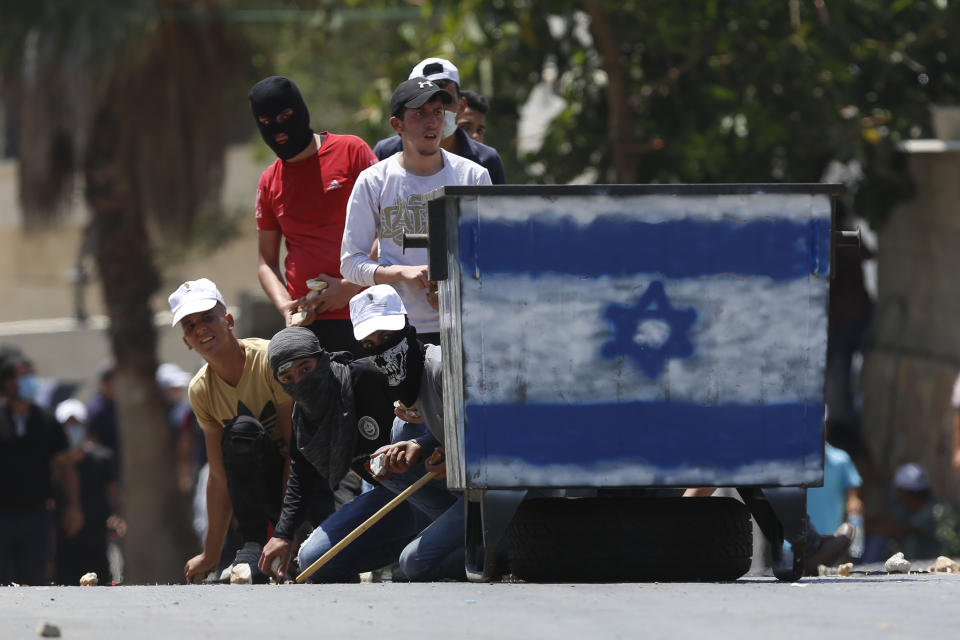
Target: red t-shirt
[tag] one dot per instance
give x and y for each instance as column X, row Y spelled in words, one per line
column 307, row 202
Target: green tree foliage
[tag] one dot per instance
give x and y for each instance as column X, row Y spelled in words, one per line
column 660, row 91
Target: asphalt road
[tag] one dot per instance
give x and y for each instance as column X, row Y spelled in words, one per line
column 906, row 606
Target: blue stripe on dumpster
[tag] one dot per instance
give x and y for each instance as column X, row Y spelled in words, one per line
column 779, row 249
column 665, row 435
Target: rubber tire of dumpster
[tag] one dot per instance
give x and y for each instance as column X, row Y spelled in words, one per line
column 630, row 539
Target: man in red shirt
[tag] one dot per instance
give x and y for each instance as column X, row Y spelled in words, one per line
column 302, row 198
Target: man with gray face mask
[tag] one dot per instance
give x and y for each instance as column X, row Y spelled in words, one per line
column 455, row 140
column 341, row 414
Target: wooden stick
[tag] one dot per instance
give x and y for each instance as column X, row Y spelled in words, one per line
column 369, row 522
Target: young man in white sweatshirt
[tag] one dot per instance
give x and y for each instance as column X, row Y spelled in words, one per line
column 388, row 200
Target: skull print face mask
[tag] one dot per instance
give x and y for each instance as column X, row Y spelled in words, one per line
column 401, row 361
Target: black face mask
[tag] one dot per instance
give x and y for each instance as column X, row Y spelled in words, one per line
column 401, row 360
column 268, row 98
column 317, row 392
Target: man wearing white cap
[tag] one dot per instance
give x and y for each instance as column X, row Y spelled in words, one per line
column 388, row 201
column 245, row 417
column 380, row 321
column 415, row 380
column 455, row 140
column 99, row 498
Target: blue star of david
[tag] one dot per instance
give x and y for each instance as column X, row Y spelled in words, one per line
column 652, row 305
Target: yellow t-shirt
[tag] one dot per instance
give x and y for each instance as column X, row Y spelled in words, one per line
column 258, row 394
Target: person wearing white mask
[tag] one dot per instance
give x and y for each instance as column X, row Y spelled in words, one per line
column 99, row 498
column 455, row 140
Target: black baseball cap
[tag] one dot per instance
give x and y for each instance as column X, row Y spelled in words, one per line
column 414, row 93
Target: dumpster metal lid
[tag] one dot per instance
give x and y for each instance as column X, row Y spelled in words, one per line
column 813, row 188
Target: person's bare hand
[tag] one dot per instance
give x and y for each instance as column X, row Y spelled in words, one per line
column 956, row 461
column 407, row 414
column 72, row 520
column 437, row 462
column 198, row 567
column 335, row 296
column 116, row 527
column 289, row 309
column 275, row 549
column 398, row 457
column 416, row 274
column 433, row 296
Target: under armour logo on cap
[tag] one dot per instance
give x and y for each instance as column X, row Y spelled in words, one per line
column 414, row 93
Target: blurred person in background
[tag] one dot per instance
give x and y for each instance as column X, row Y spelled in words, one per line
column 955, row 403
column 839, row 500
column 33, row 454
column 99, row 498
column 187, row 437
column 473, row 117
column 909, row 523
column 102, row 425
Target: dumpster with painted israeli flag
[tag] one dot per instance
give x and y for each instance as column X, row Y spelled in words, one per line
column 624, row 337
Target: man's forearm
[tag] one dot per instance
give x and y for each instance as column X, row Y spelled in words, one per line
column 302, row 474
column 219, row 510
column 66, row 475
column 273, row 286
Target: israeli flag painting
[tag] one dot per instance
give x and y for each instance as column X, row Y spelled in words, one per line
column 660, row 339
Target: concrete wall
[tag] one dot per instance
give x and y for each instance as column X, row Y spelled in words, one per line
column 909, row 373
column 39, row 304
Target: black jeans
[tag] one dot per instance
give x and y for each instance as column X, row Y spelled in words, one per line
column 254, row 468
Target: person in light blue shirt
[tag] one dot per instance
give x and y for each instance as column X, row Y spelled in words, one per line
column 839, row 498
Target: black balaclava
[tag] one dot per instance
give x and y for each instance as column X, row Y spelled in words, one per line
column 400, row 359
column 324, row 417
column 268, row 98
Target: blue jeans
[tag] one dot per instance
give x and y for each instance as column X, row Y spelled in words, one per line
column 381, row 544
column 438, row 552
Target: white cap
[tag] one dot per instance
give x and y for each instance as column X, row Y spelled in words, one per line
column 911, row 477
column 194, row 296
column 70, row 408
column 436, row 69
column 378, row 308
column 170, row 376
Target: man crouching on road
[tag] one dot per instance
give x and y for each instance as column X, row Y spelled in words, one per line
column 415, row 379
column 245, row 417
column 340, row 416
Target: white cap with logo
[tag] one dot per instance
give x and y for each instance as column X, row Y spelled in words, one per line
column 378, row 308
column 436, row 69
column 194, row 296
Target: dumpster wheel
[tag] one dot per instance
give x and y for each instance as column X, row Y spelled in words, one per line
column 630, row 539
